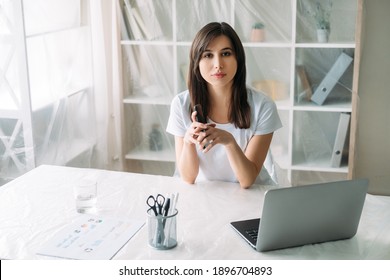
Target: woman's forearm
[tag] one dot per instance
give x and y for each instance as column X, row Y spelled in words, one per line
column 245, row 170
column 247, row 166
column 188, row 162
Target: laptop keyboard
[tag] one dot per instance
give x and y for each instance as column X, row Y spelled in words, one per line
column 253, row 233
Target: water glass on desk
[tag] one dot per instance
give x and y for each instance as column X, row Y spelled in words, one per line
column 85, row 193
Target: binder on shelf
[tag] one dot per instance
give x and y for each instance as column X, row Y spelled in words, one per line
column 331, row 78
column 140, row 16
column 340, row 139
column 148, row 21
column 133, row 29
column 125, row 26
column 141, row 23
column 305, row 84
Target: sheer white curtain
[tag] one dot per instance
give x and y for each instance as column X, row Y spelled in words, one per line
column 106, row 80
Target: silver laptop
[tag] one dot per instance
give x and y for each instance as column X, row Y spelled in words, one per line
column 297, row 216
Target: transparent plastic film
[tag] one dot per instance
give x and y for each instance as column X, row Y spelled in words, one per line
column 10, row 89
column 182, row 67
column 149, row 148
column 326, row 21
column 15, row 149
column 324, row 76
column 47, row 113
column 265, row 21
column 279, row 151
column 266, row 71
column 315, row 139
column 59, row 65
column 146, row 20
column 300, row 53
column 43, row 16
column 149, row 73
column 195, row 14
column 64, row 133
column 63, row 116
column 311, row 141
column 12, row 149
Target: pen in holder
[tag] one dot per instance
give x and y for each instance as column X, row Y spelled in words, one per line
column 162, row 230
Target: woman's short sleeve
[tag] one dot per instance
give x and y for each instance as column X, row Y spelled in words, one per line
column 179, row 116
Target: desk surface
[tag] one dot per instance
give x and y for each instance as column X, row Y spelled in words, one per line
column 36, row 205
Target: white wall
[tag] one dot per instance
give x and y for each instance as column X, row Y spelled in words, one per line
column 373, row 142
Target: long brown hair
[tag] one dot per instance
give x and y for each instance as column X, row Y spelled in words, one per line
column 239, row 111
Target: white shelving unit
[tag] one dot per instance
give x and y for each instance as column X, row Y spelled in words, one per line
column 154, row 70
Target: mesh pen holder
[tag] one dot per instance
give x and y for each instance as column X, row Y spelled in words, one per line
column 162, row 230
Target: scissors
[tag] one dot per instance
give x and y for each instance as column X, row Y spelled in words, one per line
column 156, row 203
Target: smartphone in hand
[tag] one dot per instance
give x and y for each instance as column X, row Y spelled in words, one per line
column 200, row 118
column 199, row 113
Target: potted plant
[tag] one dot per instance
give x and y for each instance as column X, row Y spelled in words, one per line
column 321, row 15
column 258, row 32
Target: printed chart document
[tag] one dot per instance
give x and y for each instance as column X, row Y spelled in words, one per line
column 91, row 238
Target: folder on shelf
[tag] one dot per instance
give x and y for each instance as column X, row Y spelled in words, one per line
column 304, row 82
column 340, row 139
column 125, row 27
column 140, row 16
column 141, row 23
column 331, row 78
column 133, row 27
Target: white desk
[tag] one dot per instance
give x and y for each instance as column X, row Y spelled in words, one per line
column 36, row 205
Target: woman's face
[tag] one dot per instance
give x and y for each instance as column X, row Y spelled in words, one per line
column 218, row 63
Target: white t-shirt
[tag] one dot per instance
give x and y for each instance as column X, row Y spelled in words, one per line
column 214, row 165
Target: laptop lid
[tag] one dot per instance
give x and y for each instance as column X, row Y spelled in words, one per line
column 309, row 214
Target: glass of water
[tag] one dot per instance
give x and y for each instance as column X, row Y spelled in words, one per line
column 85, row 193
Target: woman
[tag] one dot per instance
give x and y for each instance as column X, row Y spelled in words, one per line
column 233, row 144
